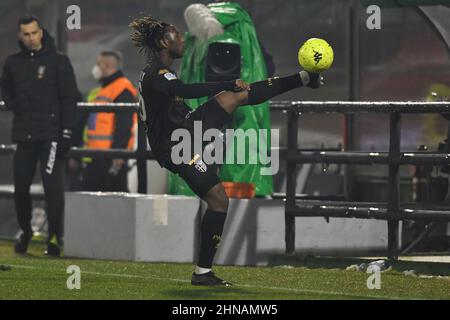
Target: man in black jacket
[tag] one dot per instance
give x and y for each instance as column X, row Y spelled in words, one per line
column 39, row 87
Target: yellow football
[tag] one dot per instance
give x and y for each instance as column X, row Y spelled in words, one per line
column 315, row 55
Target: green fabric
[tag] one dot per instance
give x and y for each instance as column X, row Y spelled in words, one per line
column 93, row 93
column 239, row 29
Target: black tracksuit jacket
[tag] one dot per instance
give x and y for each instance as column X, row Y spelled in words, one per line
column 40, row 88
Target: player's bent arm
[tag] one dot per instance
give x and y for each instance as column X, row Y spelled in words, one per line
column 197, row 90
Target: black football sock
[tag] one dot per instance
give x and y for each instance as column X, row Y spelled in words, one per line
column 262, row 91
column 211, row 234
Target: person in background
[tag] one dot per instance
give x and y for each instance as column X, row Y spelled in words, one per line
column 109, row 130
column 38, row 85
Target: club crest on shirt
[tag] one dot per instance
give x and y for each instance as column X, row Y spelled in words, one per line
column 201, row 166
column 170, row 76
column 198, row 163
column 41, row 72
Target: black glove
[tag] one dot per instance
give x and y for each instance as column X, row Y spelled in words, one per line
column 65, row 143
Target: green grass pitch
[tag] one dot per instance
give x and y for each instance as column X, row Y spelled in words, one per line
column 34, row 276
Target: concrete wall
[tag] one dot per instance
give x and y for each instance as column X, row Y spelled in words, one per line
column 254, row 233
column 165, row 229
column 135, row 227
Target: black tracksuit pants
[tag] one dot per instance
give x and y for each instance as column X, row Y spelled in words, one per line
column 97, row 177
column 27, row 156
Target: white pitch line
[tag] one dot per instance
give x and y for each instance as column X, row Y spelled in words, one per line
column 334, row 293
column 122, row 275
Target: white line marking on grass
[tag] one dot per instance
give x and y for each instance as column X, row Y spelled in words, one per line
column 136, row 276
column 122, row 275
column 332, row 293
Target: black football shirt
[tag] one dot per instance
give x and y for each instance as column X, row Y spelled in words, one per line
column 162, row 107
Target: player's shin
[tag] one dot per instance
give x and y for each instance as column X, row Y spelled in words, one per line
column 262, row 91
column 211, row 234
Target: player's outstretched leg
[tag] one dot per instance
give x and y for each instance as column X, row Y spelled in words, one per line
column 211, row 234
column 264, row 90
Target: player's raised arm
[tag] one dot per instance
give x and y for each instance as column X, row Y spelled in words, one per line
column 168, row 83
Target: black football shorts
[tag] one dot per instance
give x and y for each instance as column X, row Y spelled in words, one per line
column 199, row 176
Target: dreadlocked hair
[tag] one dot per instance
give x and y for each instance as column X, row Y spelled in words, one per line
column 148, row 32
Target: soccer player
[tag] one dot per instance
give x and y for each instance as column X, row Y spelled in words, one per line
column 163, row 110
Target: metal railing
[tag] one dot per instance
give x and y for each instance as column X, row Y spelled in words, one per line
column 393, row 210
column 141, row 154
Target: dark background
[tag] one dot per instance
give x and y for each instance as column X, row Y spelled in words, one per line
column 398, row 62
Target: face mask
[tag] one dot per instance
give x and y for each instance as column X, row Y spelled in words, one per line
column 96, row 72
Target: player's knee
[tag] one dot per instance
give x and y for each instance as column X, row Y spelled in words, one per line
column 224, row 201
column 218, row 202
column 217, row 199
column 238, row 99
column 231, row 100
column 241, row 98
